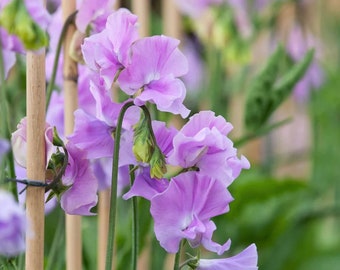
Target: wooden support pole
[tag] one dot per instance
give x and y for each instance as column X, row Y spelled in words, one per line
column 172, row 24
column 142, row 9
column 70, row 74
column 103, row 226
column 36, row 163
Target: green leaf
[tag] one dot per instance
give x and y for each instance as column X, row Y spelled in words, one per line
column 272, row 86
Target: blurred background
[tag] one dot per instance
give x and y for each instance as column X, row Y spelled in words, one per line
column 248, row 61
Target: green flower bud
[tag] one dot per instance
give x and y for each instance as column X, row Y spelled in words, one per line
column 157, row 164
column 17, row 21
column 143, row 145
column 8, row 14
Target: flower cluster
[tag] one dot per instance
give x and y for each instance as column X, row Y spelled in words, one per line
column 184, row 173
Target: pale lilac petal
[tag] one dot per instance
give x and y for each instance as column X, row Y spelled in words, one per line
column 107, row 51
column 190, row 201
column 92, row 135
column 55, row 112
column 167, row 93
column 203, row 143
column 145, row 186
column 82, row 195
column 90, row 10
column 19, row 142
column 245, row 260
column 152, row 58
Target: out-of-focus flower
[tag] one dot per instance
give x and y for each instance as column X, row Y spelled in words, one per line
column 152, row 74
column 27, row 20
column 298, row 43
column 19, row 142
column 245, row 260
column 12, row 226
column 4, row 147
column 190, row 201
column 194, row 79
column 202, row 142
column 194, row 8
column 107, row 52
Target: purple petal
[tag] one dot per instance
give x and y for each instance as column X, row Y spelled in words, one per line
column 167, row 93
column 190, row 201
column 145, row 186
column 82, row 196
column 245, row 260
column 92, row 135
column 152, row 58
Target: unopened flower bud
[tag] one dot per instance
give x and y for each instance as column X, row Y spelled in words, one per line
column 17, row 21
column 157, row 164
column 143, row 146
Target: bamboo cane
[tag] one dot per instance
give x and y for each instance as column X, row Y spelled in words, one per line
column 35, row 159
column 142, row 9
column 171, row 19
column 70, row 74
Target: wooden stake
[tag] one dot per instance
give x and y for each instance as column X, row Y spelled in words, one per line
column 103, row 226
column 70, row 74
column 35, row 159
column 172, row 24
column 142, row 9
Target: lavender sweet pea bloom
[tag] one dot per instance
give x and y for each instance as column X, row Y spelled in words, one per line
column 245, row 260
column 152, row 73
column 93, row 14
column 82, row 195
column 12, row 226
column 203, row 143
column 107, row 51
column 189, row 202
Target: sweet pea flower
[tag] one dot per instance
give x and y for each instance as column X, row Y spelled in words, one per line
column 19, row 142
column 12, row 226
column 202, row 143
column 107, row 52
column 82, row 194
column 152, row 74
column 245, row 260
column 93, row 14
column 95, row 134
column 184, row 210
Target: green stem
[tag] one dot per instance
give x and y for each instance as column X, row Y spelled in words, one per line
column 68, row 22
column 113, row 199
column 178, row 256
column 135, row 232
